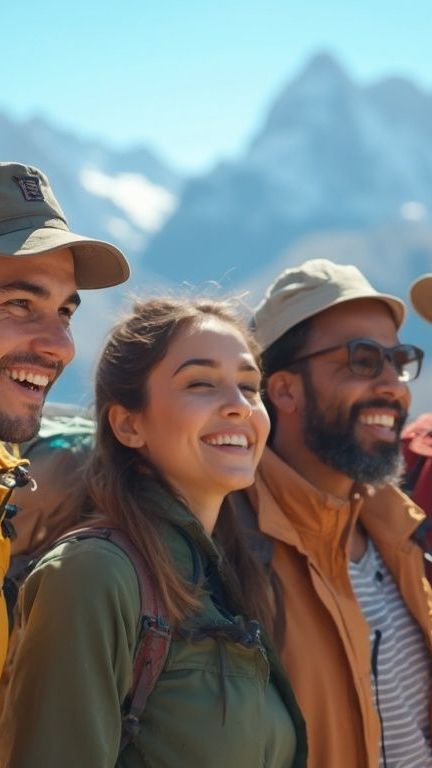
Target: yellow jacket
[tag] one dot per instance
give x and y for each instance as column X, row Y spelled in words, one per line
column 8, row 465
column 326, row 650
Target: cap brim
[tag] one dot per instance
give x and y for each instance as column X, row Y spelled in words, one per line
column 97, row 264
column 421, row 297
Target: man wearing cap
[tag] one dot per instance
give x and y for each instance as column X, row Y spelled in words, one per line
column 42, row 266
column 356, row 606
column 421, row 296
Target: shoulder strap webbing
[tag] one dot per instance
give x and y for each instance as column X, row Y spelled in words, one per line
column 154, row 633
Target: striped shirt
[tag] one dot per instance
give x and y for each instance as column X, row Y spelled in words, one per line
column 401, row 665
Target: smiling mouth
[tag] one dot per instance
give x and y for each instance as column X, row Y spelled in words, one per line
column 379, row 420
column 36, row 382
column 239, row 441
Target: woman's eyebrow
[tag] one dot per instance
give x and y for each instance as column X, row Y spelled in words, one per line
column 209, row 363
column 202, row 361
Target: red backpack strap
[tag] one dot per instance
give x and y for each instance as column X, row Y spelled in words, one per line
column 154, row 633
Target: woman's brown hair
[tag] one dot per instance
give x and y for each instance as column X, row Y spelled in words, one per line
column 116, row 473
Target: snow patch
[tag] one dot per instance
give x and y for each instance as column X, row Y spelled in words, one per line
column 413, row 211
column 146, row 205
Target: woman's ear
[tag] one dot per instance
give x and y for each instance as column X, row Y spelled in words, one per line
column 127, row 426
column 283, row 390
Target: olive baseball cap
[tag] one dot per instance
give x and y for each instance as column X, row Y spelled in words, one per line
column 421, row 296
column 32, row 222
column 306, row 290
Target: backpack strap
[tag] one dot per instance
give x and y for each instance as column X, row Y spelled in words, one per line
column 154, row 633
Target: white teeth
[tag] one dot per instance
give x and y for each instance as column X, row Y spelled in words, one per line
column 382, row 420
column 240, row 440
column 40, row 381
column 33, row 378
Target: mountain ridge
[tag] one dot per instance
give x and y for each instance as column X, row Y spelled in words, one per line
column 337, row 168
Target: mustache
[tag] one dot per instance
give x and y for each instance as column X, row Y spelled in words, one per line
column 380, row 402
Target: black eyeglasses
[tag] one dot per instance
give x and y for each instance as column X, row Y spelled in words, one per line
column 366, row 358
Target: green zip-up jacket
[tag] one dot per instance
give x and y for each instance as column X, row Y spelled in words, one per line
column 74, row 667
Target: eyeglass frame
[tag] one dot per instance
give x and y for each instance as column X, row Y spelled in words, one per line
column 386, row 353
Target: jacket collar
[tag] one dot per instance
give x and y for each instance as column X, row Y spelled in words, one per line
column 292, row 510
column 299, row 508
column 390, row 517
column 177, row 514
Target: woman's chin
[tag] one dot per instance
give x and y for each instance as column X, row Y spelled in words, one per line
column 238, row 482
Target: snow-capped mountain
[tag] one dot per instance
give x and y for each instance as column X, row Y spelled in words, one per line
column 332, row 155
column 338, row 169
column 122, row 196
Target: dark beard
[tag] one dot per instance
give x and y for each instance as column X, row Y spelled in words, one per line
column 19, row 430
column 332, row 440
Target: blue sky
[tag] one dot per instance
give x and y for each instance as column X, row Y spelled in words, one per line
column 192, row 78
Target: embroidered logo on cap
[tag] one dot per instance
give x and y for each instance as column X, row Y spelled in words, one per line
column 30, row 187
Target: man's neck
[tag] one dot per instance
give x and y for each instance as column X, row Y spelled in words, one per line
column 323, row 477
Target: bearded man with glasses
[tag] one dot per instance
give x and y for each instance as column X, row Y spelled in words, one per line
column 357, row 634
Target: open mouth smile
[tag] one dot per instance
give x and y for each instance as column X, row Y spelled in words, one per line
column 37, row 382
column 381, row 420
column 383, row 426
column 237, row 440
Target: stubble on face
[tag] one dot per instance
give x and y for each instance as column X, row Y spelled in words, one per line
column 46, row 284
column 333, row 440
column 19, row 429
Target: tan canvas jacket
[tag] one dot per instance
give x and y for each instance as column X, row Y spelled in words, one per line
column 327, row 652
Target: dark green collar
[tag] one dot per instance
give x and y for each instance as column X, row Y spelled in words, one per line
column 176, row 513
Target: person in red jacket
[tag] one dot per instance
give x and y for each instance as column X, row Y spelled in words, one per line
column 417, row 435
column 417, row 445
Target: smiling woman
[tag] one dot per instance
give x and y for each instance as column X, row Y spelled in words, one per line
column 180, row 424
column 203, row 398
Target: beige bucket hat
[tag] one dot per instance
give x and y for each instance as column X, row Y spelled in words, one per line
column 32, row 222
column 304, row 291
column 421, row 296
